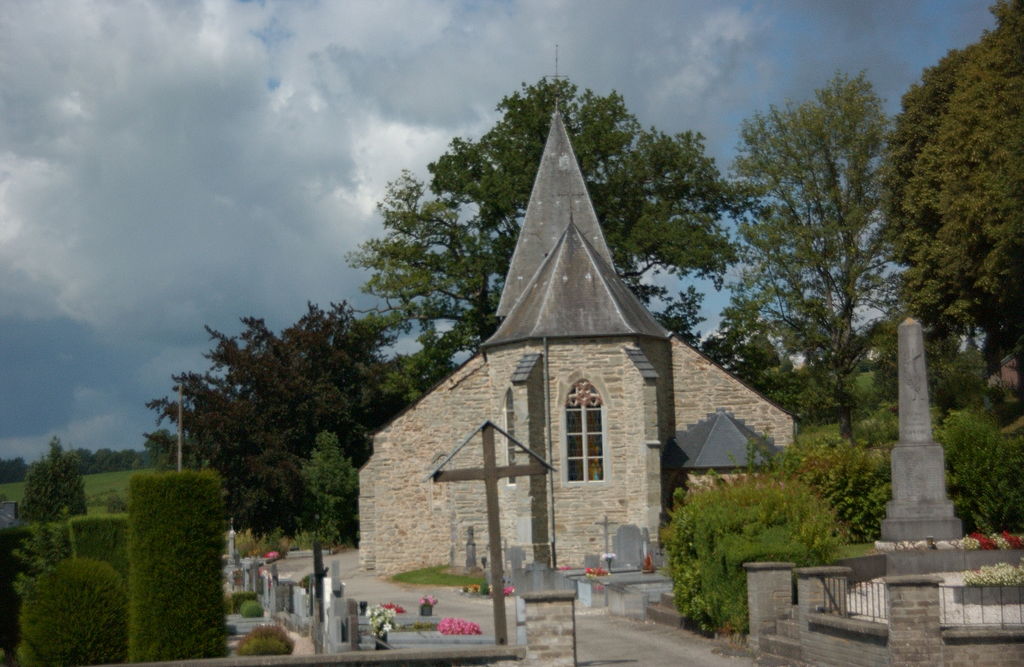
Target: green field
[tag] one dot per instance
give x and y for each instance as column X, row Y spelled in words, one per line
column 98, row 488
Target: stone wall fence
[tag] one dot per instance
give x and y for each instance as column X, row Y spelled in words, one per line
column 906, row 629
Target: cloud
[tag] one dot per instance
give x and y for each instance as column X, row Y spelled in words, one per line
column 165, row 165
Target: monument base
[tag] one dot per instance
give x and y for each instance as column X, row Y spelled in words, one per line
column 900, row 530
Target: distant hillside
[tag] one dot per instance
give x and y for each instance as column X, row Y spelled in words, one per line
column 100, row 489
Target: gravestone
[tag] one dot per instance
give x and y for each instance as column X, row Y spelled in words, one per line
column 470, row 550
column 629, row 550
column 515, row 558
column 920, row 508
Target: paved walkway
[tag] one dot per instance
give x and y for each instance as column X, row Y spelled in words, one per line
column 601, row 639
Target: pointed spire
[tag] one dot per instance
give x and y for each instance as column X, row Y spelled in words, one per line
column 576, row 293
column 559, row 197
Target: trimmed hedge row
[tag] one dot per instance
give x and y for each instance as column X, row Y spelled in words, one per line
column 102, row 538
column 10, row 539
column 175, row 540
column 76, row 615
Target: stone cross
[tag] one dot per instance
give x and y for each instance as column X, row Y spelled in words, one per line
column 490, row 474
column 919, row 508
column 604, row 524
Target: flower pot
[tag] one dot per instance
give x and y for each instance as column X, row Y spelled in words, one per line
column 381, row 643
column 426, row 610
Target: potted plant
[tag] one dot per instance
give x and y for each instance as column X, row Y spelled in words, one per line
column 427, row 603
column 381, row 622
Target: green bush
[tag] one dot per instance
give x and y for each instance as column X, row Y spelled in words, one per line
column 853, row 480
column 984, row 472
column 233, row 602
column 48, row 543
column 715, row 530
column 266, row 640
column 102, row 538
column 251, row 609
column 75, row 616
column 53, row 486
column 175, row 540
column 11, row 540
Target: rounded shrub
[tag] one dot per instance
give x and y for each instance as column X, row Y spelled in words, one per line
column 76, row 615
column 266, row 640
column 715, row 530
column 235, row 600
column 250, row 609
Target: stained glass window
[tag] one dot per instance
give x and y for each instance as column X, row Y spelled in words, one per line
column 584, row 442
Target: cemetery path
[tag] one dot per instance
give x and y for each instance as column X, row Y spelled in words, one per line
column 602, row 639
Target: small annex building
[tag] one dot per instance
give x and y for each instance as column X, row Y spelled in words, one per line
column 578, row 371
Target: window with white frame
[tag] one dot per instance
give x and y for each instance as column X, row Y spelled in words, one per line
column 584, row 439
column 510, row 428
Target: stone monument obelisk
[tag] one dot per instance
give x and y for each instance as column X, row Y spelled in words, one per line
column 919, row 508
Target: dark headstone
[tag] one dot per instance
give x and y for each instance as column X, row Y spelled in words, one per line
column 470, row 549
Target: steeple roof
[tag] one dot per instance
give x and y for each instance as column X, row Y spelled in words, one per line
column 576, row 293
column 559, row 196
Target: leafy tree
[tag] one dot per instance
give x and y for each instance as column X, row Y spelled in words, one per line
column 254, row 415
column 954, row 183
column 441, row 263
column 53, row 486
column 48, row 544
column 12, row 470
column 816, row 262
column 333, row 487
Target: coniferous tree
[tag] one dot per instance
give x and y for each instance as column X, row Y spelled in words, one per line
column 54, row 486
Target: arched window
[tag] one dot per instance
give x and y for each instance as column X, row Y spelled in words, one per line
column 584, row 442
column 510, row 428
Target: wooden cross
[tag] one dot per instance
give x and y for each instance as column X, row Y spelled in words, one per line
column 490, row 474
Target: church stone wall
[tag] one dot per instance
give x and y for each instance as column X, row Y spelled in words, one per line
column 701, row 387
column 405, row 520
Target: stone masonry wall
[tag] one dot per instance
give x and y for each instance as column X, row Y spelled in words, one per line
column 405, row 520
column 701, row 387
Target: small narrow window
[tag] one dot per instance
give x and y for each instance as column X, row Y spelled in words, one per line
column 510, row 428
column 584, row 444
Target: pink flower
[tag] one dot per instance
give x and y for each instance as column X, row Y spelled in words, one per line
column 509, row 590
column 457, row 626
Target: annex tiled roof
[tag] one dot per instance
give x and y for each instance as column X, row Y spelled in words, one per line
column 717, row 441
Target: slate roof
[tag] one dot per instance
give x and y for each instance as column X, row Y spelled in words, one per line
column 576, row 293
column 717, row 441
column 559, row 196
column 524, row 367
column 639, row 359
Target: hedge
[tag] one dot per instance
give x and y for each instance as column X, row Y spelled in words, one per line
column 715, row 531
column 175, row 540
column 103, row 538
column 10, row 539
column 76, row 615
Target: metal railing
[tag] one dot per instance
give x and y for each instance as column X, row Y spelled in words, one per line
column 867, row 600
column 981, row 605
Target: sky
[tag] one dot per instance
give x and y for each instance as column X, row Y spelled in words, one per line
column 166, row 165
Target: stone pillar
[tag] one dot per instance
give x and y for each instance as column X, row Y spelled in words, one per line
column 769, row 597
column 919, row 508
column 915, row 637
column 550, row 628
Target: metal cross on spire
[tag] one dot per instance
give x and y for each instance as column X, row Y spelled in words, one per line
column 555, row 77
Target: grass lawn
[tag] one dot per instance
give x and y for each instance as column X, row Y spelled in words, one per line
column 97, row 486
column 855, row 550
column 436, row 576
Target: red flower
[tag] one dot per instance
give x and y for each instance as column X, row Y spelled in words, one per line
column 1014, row 541
column 984, row 541
column 397, row 608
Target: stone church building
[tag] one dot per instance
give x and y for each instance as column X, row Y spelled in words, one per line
column 580, row 373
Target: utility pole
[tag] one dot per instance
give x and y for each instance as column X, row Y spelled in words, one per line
column 181, row 393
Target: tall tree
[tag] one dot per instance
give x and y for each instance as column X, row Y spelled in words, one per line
column 332, row 484
column 815, row 259
column 255, row 414
column 955, row 189
column 441, row 263
column 54, row 486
